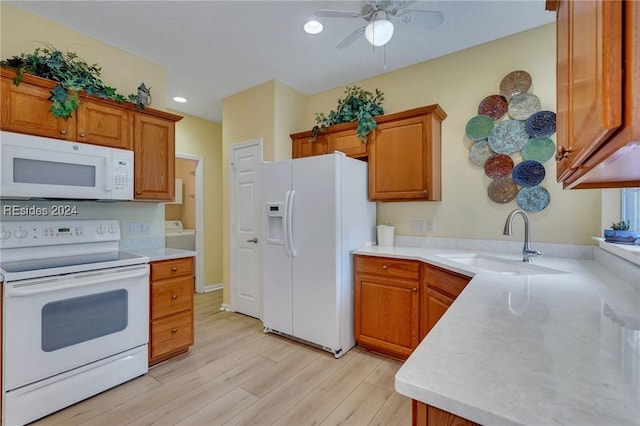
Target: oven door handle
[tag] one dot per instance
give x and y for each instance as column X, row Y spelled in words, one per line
column 41, row 286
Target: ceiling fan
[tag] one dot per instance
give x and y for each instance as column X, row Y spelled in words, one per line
column 380, row 16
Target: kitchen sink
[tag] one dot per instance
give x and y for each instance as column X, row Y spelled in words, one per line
column 499, row 265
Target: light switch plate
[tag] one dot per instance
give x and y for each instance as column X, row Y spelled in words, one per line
column 144, row 228
column 132, row 228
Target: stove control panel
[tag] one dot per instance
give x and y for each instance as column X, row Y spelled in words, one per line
column 47, row 233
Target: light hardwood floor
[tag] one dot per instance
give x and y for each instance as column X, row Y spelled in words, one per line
column 237, row 375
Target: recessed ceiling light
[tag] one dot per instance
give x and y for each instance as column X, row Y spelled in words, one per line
column 180, row 99
column 313, row 27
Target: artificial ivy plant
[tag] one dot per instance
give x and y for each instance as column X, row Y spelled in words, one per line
column 72, row 75
column 357, row 105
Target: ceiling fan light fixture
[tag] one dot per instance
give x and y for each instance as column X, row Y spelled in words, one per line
column 379, row 32
column 313, row 27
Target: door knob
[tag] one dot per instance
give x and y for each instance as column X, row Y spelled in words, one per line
column 253, row 240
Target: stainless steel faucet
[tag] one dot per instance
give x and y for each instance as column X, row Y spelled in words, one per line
column 527, row 252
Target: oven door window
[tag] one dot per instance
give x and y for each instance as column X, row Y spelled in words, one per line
column 71, row 321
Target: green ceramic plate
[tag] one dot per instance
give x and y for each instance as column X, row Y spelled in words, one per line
column 539, row 149
column 479, row 127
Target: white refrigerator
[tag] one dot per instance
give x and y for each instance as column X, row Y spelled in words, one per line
column 316, row 212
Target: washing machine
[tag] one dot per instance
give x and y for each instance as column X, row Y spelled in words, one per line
column 178, row 237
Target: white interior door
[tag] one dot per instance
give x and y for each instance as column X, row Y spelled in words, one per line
column 245, row 218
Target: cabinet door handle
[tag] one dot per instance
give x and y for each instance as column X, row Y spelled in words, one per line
column 414, row 289
column 82, row 135
column 174, row 296
column 138, row 192
column 424, row 191
column 385, row 267
column 174, row 269
column 563, row 152
column 174, row 330
column 63, row 131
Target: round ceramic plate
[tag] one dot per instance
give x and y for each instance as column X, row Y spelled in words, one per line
column 523, row 106
column 508, row 136
column 479, row 127
column 533, row 199
column 494, row 106
column 539, row 149
column 502, row 190
column 498, row 166
column 541, row 124
column 480, row 153
column 514, row 83
column 528, row 173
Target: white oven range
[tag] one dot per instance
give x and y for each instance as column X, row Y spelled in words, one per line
column 75, row 314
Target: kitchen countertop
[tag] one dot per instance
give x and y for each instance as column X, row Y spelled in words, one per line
column 162, row 253
column 550, row 349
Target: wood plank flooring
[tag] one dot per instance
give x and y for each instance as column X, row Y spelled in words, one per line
column 237, row 375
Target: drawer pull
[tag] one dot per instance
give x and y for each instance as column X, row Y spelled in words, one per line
column 63, row 132
column 174, row 330
column 174, row 296
column 82, row 135
column 414, row 289
column 385, row 267
column 174, row 269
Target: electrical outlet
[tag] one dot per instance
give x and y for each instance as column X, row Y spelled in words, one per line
column 431, row 226
column 144, row 228
column 418, row 227
column 132, row 228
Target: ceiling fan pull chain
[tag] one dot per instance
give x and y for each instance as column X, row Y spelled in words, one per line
column 385, row 57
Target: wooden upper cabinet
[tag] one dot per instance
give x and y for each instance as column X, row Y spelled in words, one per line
column 25, row 108
column 101, row 123
column 304, row 145
column 598, row 92
column 154, row 157
column 404, row 156
column 347, row 141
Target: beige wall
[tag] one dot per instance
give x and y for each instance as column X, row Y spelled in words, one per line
column 22, row 31
column 458, row 82
column 203, row 138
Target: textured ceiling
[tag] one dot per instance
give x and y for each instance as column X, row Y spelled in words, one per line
column 214, row 49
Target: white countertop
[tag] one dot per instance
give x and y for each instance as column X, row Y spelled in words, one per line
column 561, row 349
column 162, row 253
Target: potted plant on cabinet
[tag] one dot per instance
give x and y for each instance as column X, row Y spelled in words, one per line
column 357, row 105
column 620, row 234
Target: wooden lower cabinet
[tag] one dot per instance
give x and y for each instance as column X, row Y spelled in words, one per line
column 426, row 415
column 387, row 305
column 170, row 309
column 398, row 301
column 439, row 289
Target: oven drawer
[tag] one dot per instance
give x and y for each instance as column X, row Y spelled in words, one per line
column 171, row 268
column 171, row 333
column 171, row 296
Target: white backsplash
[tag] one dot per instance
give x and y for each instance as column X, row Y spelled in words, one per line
column 495, row 246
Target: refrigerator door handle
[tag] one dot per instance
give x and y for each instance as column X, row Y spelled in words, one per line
column 292, row 244
column 285, row 223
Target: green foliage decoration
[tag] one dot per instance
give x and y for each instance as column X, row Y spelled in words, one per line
column 357, row 105
column 620, row 226
column 72, row 75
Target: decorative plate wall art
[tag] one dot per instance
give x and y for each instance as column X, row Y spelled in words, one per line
column 511, row 143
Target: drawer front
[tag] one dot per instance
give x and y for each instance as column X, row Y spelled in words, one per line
column 171, row 268
column 448, row 282
column 171, row 334
column 385, row 266
column 171, row 296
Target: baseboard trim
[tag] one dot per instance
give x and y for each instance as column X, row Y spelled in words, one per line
column 213, row 287
column 226, row 307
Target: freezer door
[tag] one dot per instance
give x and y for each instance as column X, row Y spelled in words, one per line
column 316, row 226
column 276, row 263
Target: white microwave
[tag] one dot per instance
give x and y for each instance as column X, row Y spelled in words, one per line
column 37, row 167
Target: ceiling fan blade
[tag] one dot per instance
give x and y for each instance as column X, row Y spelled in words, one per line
column 348, row 40
column 337, row 14
column 425, row 19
